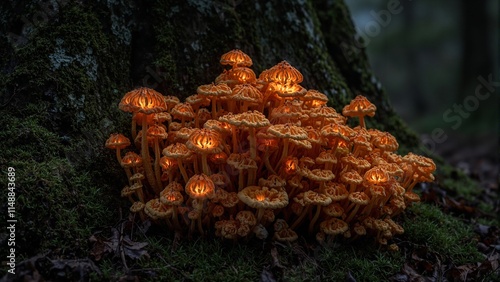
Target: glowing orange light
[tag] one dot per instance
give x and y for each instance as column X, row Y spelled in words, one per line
column 376, row 175
column 260, row 197
column 200, row 186
column 290, row 166
column 167, row 163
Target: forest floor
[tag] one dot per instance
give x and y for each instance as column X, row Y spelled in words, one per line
column 453, row 235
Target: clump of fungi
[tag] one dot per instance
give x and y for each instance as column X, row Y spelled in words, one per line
column 252, row 156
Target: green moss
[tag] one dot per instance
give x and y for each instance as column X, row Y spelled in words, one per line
column 426, row 225
column 213, row 260
column 362, row 261
column 57, row 204
column 204, row 260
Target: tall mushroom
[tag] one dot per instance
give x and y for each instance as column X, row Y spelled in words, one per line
column 147, row 101
column 214, row 92
column 252, row 120
column 179, row 152
column 183, row 111
column 286, row 132
column 205, row 141
column 200, row 187
column 157, row 132
column 117, row 142
column 246, row 95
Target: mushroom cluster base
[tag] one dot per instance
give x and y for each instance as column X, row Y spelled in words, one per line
column 264, row 157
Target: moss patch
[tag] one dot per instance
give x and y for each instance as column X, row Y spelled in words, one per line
column 426, row 225
column 57, row 204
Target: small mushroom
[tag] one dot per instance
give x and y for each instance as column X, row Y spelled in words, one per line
column 179, row 152
column 262, row 198
column 147, row 101
column 236, row 58
column 360, row 107
column 117, row 142
column 204, row 141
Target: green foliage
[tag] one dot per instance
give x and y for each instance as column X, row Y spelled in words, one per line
column 204, row 260
column 427, row 225
column 57, row 204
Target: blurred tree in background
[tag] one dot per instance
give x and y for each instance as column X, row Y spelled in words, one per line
column 429, row 56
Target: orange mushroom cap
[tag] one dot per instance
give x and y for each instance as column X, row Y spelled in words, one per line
column 200, row 186
column 143, row 100
column 117, row 141
column 359, row 106
column 288, row 131
column 246, row 93
column 236, row 57
column 386, row 142
column 131, row 159
column 157, row 131
column 176, row 151
column 263, row 197
column 334, row 226
column 376, row 175
column 283, row 73
column 167, row 163
column 183, row 110
column 171, row 197
column 242, row 75
column 204, row 141
column 214, row 90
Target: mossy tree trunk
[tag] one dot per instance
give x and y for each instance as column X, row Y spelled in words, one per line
column 66, row 64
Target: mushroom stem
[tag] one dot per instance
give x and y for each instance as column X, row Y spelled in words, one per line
column 131, row 199
column 118, row 155
column 157, row 164
column 251, row 176
column 129, row 175
column 214, row 108
column 366, row 211
column 195, row 164
column 362, row 121
column 175, row 218
column 241, row 182
column 140, row 195
column 260, row 213
column 235, row 140
column 200, row 227
column 314, row 219
column 352, row 214
column 143, row 217
column 300, row 218
column 284, row 153
column 183, row 171
column 266, row 162
column 204, row 163
column 146, row 160
column 134, row 127
column 253, row 143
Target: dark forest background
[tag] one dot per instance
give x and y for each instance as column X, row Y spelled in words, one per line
column 428, row 56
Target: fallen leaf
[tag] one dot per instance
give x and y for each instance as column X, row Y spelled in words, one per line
column 134, row 250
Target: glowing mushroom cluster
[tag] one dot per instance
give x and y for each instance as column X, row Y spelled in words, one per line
column 252, row 156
